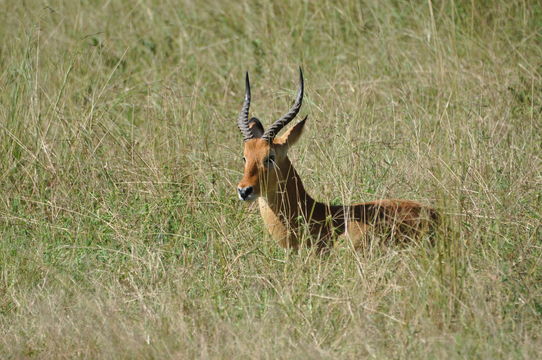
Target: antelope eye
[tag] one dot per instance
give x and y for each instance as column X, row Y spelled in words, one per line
column 244, row 159
column 270, row 160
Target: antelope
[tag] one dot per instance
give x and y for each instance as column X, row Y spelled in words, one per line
column 290, row 214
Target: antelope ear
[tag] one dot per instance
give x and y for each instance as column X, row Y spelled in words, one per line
column 293, row 134
column 256, row 127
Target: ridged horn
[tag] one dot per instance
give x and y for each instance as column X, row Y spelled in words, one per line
column 242, row 121
column 274, row 129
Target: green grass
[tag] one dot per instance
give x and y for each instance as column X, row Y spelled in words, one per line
column 122, row 236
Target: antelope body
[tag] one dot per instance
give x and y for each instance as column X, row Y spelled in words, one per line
column 290, row 213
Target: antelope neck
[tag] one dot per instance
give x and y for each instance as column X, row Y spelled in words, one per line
column 289, row 200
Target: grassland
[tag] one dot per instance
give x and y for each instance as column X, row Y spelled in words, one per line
column 122, row 236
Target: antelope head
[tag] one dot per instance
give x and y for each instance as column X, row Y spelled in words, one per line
column 265, row 154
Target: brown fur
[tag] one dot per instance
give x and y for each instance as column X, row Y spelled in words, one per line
column 289, row 212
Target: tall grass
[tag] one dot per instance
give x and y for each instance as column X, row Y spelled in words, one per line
column 121, row 233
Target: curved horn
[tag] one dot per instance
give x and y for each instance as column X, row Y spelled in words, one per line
column 242, row 121
column 274, row 129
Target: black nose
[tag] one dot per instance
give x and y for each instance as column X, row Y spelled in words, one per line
column 244, row 192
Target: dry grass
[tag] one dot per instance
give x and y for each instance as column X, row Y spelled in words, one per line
column 121, row 233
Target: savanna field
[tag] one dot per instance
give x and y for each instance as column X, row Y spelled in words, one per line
column 121, row 232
